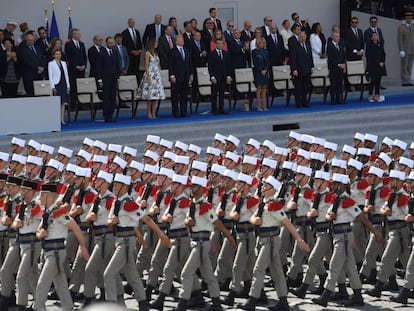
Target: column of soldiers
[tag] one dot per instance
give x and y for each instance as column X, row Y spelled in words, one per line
column 110, row 222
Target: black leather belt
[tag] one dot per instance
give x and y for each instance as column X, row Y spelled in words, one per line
column 269, row 232
column 200, row 236
column 342, row 228
column 396, row 224
column 178, row 233
column 55, row 244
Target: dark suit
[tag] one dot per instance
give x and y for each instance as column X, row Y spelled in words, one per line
column 123, row 57
column 336, row 56
column 217, row 25
column 220, row 69
column 150, row 32
column 131, row 45
column 353, row 42
column 75, row 57
column 93, row 56
column 369, row 31
column 227, row 35
column 277, row 51
column 163, row 48
column 238, row 55
column 293, row 43
column 44, row 47
column 244, row 36
column 107, row 70
column 31, row 61
column 206, row 37
column 302, row 62
column 181, row 69
column 198, row 60
column 187, row 40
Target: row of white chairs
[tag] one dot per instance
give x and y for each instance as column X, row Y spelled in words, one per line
column 87, row 92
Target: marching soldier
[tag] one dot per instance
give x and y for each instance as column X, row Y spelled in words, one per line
column 180, row 148
column 17, row 145
column 323, row 245
column 201, row 219
column 11, row 260
column 16, row 165
column 269, row 217
column 395, row 210
column 129, row 154
column 174, row 216
column 342, row 212
column 4, row 161
column 33, row 168
column 193, row 152
column 267, row 148
column 26, row 222
column 54, row 230
column 152, row 143
column 32, row 148
column 124, row 217
column 165, row 145
column 63, row 155
column 101, row 235
column 135, row 170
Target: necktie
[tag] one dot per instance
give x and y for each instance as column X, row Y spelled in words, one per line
column 33, row 49
column 45, row 41
column 275, row 39
column 356, row 33
column 304, row 47
column 248, row 34
column 134, row 37
column 77, row 45
column 170, row 42
column 182, row 53
column 158, row 32
column 220, row 54
column 121, row 52
column 374, row 29
column 198, row 46
column 110, row 52
column 337, row 46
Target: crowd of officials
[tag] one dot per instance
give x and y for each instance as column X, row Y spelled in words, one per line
column 222, row 47
column 209, row 218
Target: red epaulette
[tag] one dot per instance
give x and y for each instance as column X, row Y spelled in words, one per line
column 365, row 171
column 168, row 198
column 220, row 192
column 402, row 200
column 274, row 206
column 258, row 163
column 348, row 202
column 60, row 212
column 362, row 184
column 373, row 157
column 35, row 210
column 255, row 181
column 384, row 192
column 109, row 202
column 3, row 203
column 251, row 202
column 234, row 198
column 307, row 194
column 131, row 206
column 89, row 198
column 141, row 190
column 185, row 203
column 293, row 155
column 385, row 180
column 292, row 190
column 154, row 192
column 204, row 208
column 138, row 187
column 330, row 197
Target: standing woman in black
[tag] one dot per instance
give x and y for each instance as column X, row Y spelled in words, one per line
column 375, row 66
column 10, row 71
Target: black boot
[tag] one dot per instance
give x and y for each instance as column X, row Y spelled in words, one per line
column 282, row 305
column 392, row 284
column 216, row 304
column 197, row 300
column 301, row 291
column 225, row 285
column 341, row 294
column 246, row 290
column 148, row 292
column 229, row 301
column 88, row 301
column 52, row 295
column 102, row 296
column 319, row 290
column 292, row 283
column 376, row 291
column 262, row 301
column 182, row 305
column 372, row 279
column 323, row 299
column 402, row 297
column 4, row 304
column 250, row 305
column 128, row 289
column 356, row 300
column 143, row 305
column 159, row 302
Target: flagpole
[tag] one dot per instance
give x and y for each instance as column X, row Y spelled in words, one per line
column 46, row 22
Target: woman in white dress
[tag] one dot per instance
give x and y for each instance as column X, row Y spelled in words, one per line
column 150, row 88
column 318, row 44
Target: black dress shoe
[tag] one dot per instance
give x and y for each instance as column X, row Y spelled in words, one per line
column 216, row 113
column 110, row 121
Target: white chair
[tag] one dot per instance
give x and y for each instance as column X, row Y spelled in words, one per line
column 42, row 88
column 282, row 81
column 87, row 94
column 320, row 79
column 244, row 82
column 355, row 74
column 127, row 91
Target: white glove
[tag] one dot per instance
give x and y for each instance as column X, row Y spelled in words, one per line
column 402, row 54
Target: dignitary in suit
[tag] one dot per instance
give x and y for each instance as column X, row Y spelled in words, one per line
column 181, row 74
column 277, row 52
column 76, row 55
column 220, row 74
column 123, row 55
column 188, row 34
column 154, row 30
column 373, row 22
column 239, row 52
column 293, row 41
column 207, row 34
column 375, row 66
column 354, row 41
column 303, row 24
column 132, row 41
column 301, row 65
column 59, row 81
column 93, row 52
column 107, row 74
column 405, row 39
column 10, row 70
column 165, row 43
column 43, row 41
column 198, row 58
column 247, row 34
column 214, row 19
column 33, row 63
column 336, row 66
column 267, row 22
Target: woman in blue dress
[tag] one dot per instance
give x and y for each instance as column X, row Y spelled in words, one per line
column 261, row 68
